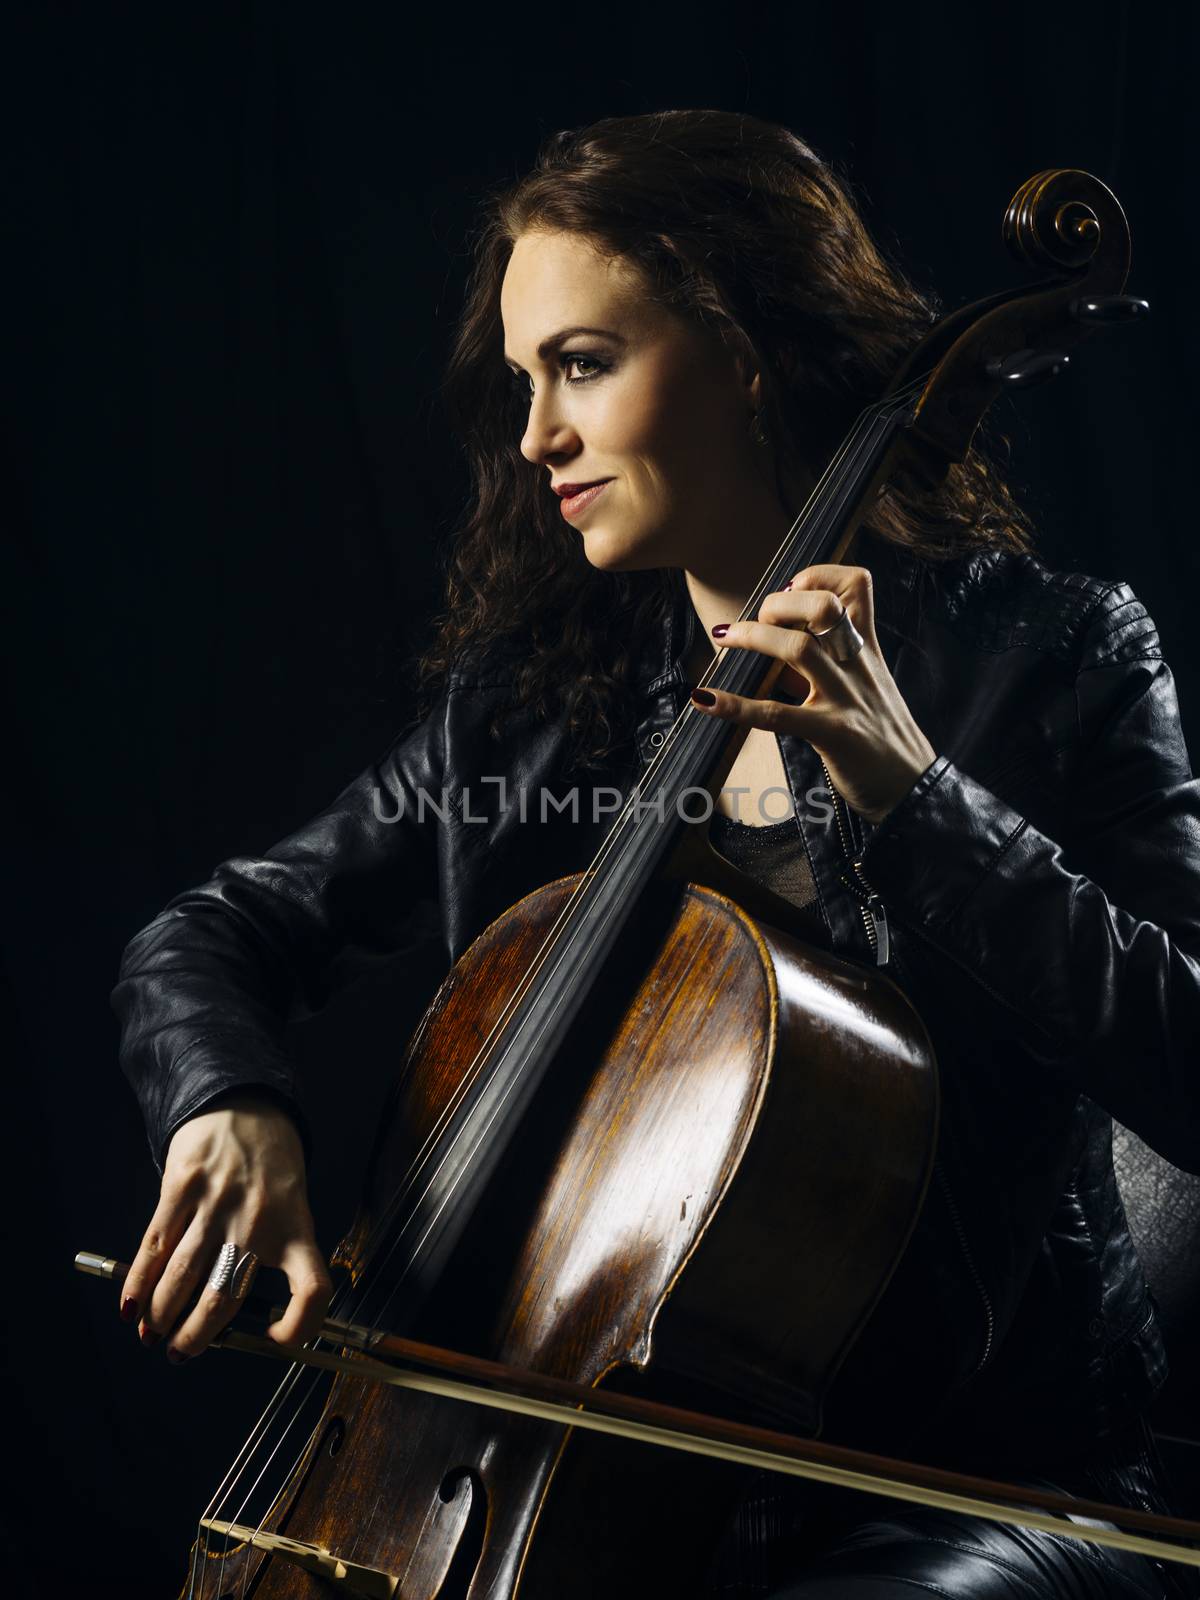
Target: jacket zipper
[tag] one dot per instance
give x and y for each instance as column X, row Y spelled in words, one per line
column 871, row 907
column 960, row 1231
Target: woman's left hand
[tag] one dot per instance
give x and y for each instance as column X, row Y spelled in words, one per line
column 853, row 715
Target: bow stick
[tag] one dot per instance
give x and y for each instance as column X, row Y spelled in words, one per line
column 374, row 1354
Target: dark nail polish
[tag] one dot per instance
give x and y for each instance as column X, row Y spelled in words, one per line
column 129, row 1309
column 721, row 629
column 175, row 1357
column 787, row 585
column 149, row 1337
column 704, row 697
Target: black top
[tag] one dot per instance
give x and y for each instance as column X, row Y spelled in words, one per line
column 772, row 854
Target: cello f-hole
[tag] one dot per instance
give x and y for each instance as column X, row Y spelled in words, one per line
column 461, row 1571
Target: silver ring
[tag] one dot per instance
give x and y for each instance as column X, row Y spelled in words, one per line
column 233, row 1270
column 845, row 641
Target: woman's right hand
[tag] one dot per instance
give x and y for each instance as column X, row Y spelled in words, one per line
column 235, row 1172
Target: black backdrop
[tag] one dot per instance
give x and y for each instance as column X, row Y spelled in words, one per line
column 234, row 256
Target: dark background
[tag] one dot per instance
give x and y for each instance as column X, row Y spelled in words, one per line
column 234, row 254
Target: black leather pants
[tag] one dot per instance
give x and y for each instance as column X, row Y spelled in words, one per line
column 892, row 1554
column 845, row 1545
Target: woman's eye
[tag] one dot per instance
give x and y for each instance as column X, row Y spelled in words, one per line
column 566, row 360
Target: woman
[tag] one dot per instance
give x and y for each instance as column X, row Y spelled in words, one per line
column 671, row 323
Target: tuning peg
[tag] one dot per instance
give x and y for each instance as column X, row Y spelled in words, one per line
column 1023, row 368
column 1108, row 308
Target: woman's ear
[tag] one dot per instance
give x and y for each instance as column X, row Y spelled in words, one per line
column 746, row 366
column 750, row 378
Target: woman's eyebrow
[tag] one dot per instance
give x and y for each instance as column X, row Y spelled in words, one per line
column 555, row 339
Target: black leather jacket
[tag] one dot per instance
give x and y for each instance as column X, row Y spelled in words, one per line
column 1041, row 883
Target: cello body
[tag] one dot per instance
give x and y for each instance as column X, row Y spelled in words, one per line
column 719, row 1176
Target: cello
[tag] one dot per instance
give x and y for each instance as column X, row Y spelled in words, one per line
column 619, row 1085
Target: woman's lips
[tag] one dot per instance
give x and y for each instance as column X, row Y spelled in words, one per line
column 572, row 504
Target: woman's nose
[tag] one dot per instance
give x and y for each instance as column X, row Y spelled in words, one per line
column 547, row 432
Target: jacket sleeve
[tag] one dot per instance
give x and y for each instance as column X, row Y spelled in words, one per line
column 1090, row 951
column 205, row 989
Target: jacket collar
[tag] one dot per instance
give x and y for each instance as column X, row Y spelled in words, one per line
column 662, row 664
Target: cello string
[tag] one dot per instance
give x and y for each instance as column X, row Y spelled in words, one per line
column 259, row 1429
column 813, row 510
column 313, row 1437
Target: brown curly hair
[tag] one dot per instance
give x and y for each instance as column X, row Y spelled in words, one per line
column 736, row 223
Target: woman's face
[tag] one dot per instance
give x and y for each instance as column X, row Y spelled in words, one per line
column 654, row 405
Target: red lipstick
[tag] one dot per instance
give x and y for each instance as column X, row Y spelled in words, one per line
column 576, row 497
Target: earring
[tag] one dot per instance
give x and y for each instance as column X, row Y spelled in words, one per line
column 757, row 432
